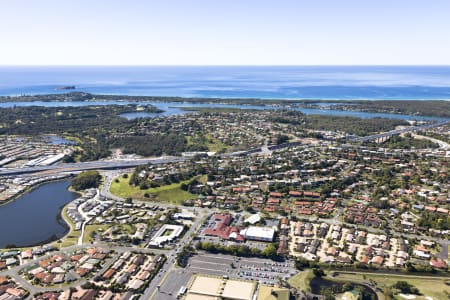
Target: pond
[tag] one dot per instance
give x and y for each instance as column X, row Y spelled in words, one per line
column 318, row 283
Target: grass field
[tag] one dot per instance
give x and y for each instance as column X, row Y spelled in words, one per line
column 72, row 237
column 69, row 240
column 431, row 287
column 213, row 144
column 171, row 193
column 301, row 280
column 90, row 229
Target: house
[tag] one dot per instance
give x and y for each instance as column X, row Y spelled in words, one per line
column 331, row 251
column 378, row 260
column 438, row 263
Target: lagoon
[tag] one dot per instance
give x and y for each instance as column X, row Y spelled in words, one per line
column 35, row 217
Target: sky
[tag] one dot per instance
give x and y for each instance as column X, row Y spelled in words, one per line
column 224, row 32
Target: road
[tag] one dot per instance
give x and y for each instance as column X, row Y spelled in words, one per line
column 126, row 163
column 86, row 218
column 169, row 266
column 335, row 221
column 92, row 165
column 443, row 145
column 33, row 289
column 130, row 163
column 398, row 131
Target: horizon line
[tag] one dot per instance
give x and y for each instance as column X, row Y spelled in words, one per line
column 219, row 65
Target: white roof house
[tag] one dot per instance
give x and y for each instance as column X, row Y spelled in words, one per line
column 253, row 219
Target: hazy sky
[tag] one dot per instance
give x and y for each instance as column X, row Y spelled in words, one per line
column 224, row 32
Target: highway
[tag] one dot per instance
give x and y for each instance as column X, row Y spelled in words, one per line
column 131, row 163
column 398, row 131
column 91, row 165
column 123, row 163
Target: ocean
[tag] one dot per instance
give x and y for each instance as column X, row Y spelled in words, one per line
column 265, row 82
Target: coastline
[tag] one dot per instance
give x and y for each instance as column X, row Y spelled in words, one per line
column 403, row 107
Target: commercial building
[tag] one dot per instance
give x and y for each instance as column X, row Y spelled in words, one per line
column 255, row 233
column 167, row 233
column 213, row 287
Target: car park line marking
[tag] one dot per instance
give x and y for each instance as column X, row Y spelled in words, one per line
column 208, row 262
column 215, row 257
column 206, row 269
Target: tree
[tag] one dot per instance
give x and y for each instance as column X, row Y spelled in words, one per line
column 270, row 251
column 282, row 139
column 318, row 272
column 86, row 180
column 406, row 288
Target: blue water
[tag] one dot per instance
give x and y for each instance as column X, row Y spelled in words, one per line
column 297, row 82
column 35, row 216
column 175, row 108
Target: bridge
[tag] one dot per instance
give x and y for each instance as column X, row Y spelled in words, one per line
column 131, row 163
column 385, row 135
column 91, row 165
column 124, row 163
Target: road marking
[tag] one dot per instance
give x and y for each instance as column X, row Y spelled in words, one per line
column 211, row 263
column 160, row 283
column 215, row 257
column 206, row 269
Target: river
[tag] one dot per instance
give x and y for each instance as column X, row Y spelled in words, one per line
column 176, row 108
column 35, row 217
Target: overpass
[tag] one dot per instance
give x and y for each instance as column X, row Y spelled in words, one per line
column 90, row 165
column 388, row 134
column 124, row 163
column 131, row 163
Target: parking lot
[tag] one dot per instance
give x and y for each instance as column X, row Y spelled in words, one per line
column 265, row 271
column 256, row 269
column 175, row 280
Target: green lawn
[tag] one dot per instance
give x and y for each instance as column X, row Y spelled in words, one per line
column 174, row 196
column 89, row 229
column 171, row 193
column 435, row 288
column 301, row 280
column 69, row 240
column 213, row 144
column 72, row 237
